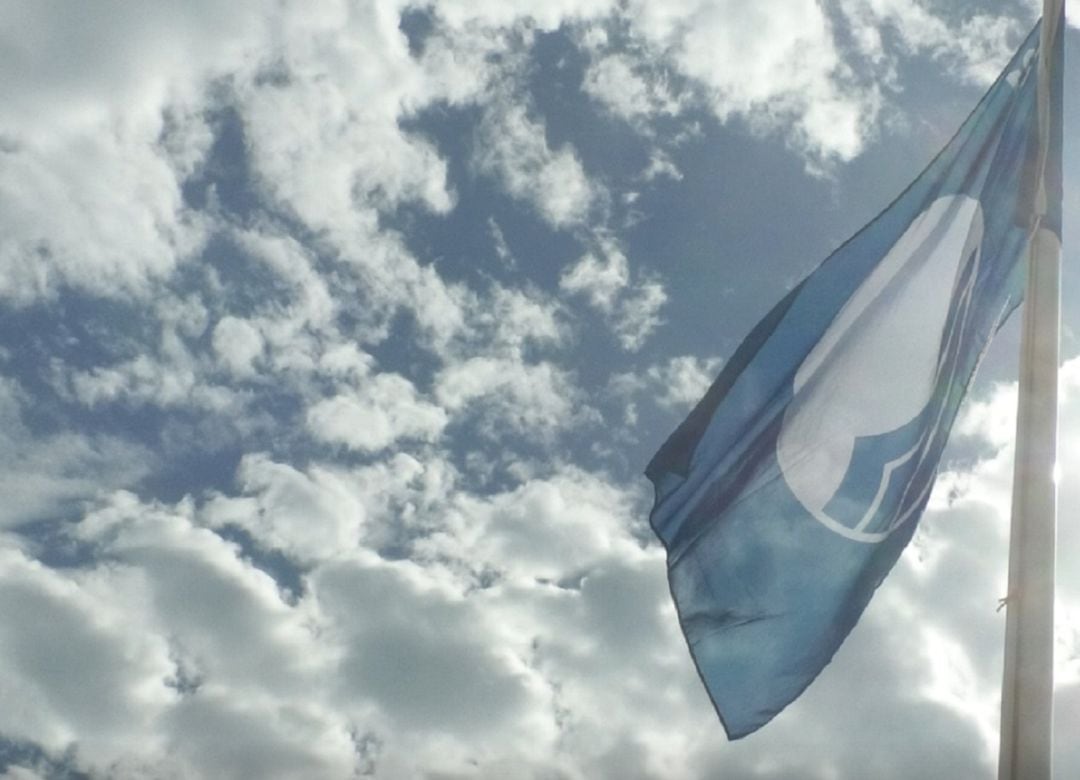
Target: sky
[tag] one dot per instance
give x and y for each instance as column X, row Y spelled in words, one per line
column 334, row 340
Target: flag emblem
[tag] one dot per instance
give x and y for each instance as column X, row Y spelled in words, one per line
column 869, row 399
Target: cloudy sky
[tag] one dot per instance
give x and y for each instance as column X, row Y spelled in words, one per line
column 334, row 339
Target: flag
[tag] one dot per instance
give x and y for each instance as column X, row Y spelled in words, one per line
column 789, row 492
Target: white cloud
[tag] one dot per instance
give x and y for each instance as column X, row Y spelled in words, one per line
column 530, row 630
column 244, row 667
column 407, row 658
column 677, row 384
column 799, row 84
column 170, row 378
column 585, row 519
column 601, row 279
column 239, row 737
column 507, row 320
column 502, row 249
column 42, row 475
column 123, row 222
column 795, row 78
column 14, row 772
column 78, row 674
column 87, row 138
column 323, row 145
column 516, row 396
column 513, row 147
column 238, row 344
column 508, row 13
column 381, row 409
column 660, row 164
column 115, row 118
column 327, row 512
column 613, row 81
column 201, row 592
column 684, row 379
column 976, row 49
column 639, row 313
column 306, row 299
column 421, row 651
column 631, row 308
column 311, row 516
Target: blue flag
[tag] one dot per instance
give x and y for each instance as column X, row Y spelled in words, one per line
column 791, row 489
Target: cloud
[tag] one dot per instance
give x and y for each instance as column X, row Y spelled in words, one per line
column 402, row 664
column 632, row 309
column 70, row 663
column 795, row 79
column 507, row 320
column 381, row 409
column 613, row 81
column 675, row 385
column 502, row 249
column 108, row 135
column 585, row 519
column 423, row 654
column 529, row 628
column 124, row 224
column 510, row 395
column 238, row 344
column 243, row 666
column 310, row 516
column 601, row 279
column 14, row 772
column 660, row 164
column 976, row 49
column 513, row 148
column 166, row 374
column 684, row 379
column 104, row 134
column 804, row 82
column 460, row 14
column 639, row 313
column 310, row 134
column 45, row 475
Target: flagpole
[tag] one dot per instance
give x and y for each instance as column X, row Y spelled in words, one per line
column 1027, row 711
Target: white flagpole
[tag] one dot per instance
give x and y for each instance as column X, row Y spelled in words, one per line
column 1027, row 711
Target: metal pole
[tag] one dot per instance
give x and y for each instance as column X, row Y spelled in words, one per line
column 1027, row 710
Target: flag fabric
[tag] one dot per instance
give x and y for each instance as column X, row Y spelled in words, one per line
column 790, row 491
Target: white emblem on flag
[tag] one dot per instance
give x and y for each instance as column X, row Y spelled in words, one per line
column 876, row 368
